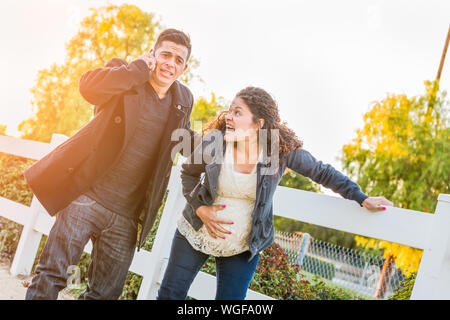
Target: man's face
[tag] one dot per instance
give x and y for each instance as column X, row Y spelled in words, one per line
column 171, row 62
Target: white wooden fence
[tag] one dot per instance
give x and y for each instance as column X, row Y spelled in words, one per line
column 430, row 232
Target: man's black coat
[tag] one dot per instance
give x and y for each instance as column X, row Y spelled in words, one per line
column 75, row 165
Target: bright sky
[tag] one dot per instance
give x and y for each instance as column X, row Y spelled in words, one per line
column 323, row 61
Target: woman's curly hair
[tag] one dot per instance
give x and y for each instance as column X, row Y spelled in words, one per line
column 262, row 106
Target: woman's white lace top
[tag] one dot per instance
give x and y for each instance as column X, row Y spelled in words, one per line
column 238, row 192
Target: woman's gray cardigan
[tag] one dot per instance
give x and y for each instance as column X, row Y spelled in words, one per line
column 200, row 175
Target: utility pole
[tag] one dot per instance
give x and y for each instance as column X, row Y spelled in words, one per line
column 385, row 277
column 441, row 64
column 438, row 76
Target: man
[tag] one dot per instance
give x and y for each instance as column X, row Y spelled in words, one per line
column 112, row 174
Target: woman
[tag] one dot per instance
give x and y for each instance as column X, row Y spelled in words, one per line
column 229, row 214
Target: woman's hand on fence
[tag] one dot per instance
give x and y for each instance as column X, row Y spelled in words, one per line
column 376, row 203
column 208, row 215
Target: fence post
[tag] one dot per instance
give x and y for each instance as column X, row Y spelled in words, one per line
column 433, row 277
column 28, row 243
column 163, row 239
column 29, row 238
column 303, row 248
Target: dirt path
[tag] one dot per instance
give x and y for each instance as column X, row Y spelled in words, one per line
column 15, row 287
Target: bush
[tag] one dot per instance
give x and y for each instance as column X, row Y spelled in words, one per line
column 276, row 278
column 9, row 238
column 12, row 182
column 405, row 289
column 322, row 268
column 333, row 292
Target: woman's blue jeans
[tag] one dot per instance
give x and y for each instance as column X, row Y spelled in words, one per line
column 233, row 273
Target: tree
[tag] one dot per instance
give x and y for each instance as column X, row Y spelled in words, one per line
column 402, row 150
column 205, row 111
column 123, row 31
column 402, row 153
column 294, row 180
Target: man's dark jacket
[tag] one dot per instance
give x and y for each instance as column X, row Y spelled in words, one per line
column 75, row 165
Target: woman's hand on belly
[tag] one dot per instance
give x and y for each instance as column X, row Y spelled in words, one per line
column 208, row 215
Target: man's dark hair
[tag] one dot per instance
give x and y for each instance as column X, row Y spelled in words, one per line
column 177, row 36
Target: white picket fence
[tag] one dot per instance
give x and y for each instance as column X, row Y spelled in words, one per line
column 430, row 232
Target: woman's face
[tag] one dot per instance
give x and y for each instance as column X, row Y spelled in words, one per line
column 239, row 121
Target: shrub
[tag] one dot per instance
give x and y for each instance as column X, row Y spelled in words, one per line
column 9, row 238
column 324, row 291
column 322, row 268
column 405, row 289
column 276, row 278
column 12, row 182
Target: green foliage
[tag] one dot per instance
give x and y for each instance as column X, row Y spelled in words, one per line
column 110, row 31
column 324, row 291
column 405, row 289
column 131, row 288
column 9, row 238
column 205, row 110
column 402, row 153
column 291, row 179
column 322, row 268
column 277, row 278
column 12, row 182
column 402, row 150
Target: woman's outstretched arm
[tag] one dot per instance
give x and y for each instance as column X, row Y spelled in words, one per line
column 302, row 162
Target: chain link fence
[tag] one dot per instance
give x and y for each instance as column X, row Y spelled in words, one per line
column 366, row 275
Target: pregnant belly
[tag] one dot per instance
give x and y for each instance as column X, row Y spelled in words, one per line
column 238, row 211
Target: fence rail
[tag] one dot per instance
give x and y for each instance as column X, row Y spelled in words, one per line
column 412, row 228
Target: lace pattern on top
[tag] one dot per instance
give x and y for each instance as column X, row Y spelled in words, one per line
column 238, row 192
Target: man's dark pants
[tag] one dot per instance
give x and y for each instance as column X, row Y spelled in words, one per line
column 114, row 242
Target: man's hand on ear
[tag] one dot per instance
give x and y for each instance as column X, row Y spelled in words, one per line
column 150, row 59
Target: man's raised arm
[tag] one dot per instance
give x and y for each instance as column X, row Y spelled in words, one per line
column 99, row 85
